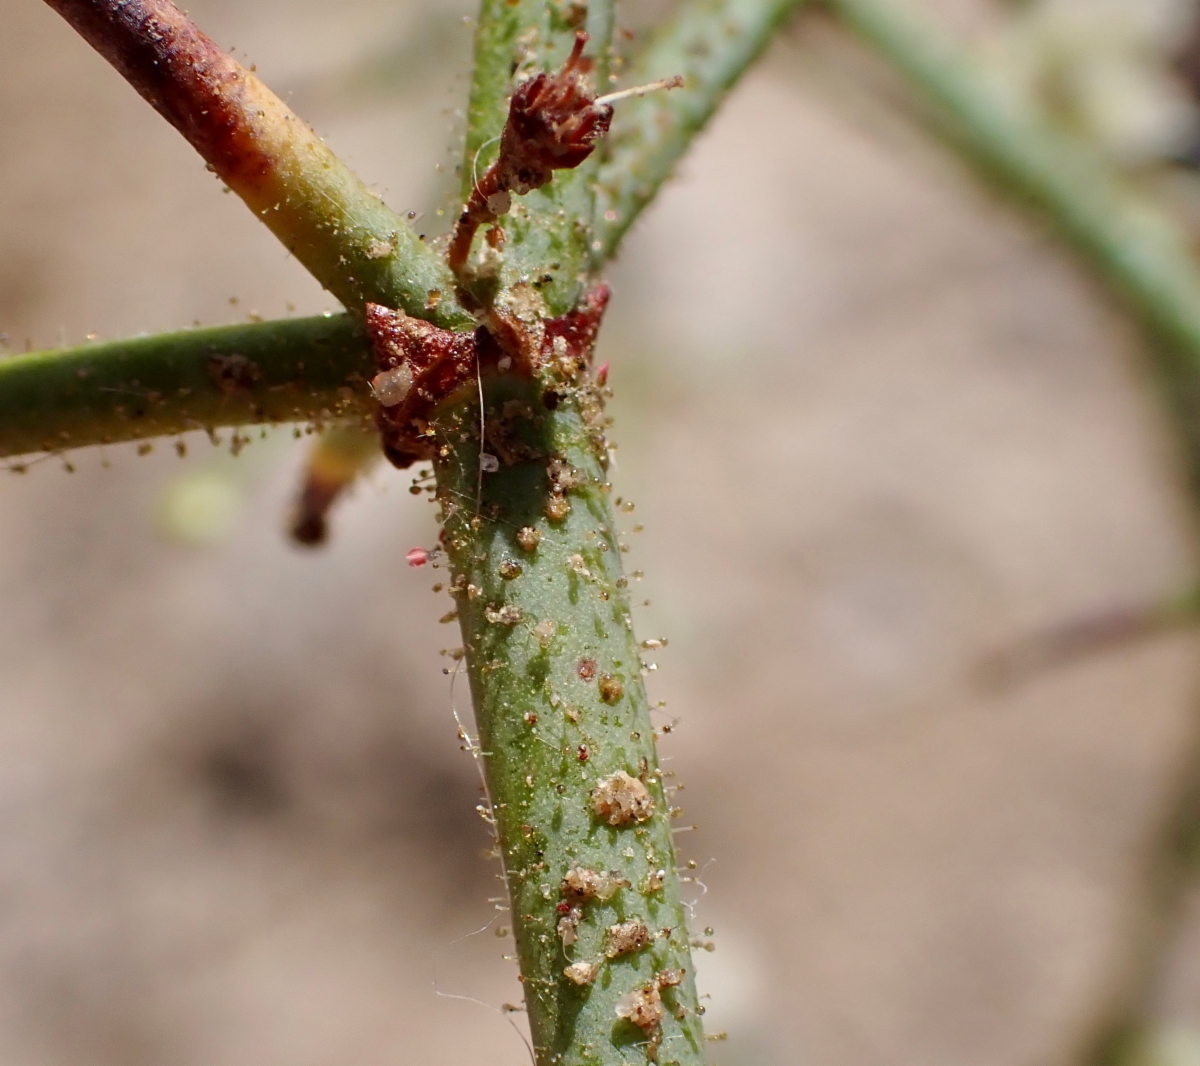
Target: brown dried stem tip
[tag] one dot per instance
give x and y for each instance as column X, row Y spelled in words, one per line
column 554, row 121
column 337, row 459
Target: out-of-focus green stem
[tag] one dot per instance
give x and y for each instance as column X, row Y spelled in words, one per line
column 1129, row 242
column 342, row 232
column 290, row 371
column 1149, row 262
column 710, row 43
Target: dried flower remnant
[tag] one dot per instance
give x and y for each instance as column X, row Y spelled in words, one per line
column 553, row 124
column 621, row 799
column 627, row 938
column 582, row 973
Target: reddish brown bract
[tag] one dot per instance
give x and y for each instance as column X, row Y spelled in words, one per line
column 440, row 361
column 420, row 365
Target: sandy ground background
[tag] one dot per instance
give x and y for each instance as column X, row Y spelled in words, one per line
column 875, row 424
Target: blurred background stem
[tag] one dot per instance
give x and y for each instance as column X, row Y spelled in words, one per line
column 1148, row 261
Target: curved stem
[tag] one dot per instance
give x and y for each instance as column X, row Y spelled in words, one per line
column 710, row 43
column 291, row 371
column 1130, row 243
column 1149, row 262
column 342, row 232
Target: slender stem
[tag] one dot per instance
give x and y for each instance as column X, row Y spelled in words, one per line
column 710, row 44
column 1091, row 634
column 1130, row 243
column 356, row 246
column 290, row 371
column 1150, row 264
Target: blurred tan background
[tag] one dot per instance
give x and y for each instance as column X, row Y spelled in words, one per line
column 876, row 425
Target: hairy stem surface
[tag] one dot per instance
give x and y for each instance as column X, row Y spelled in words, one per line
column 564, row 726
column 560, row 705
column 342, row 232
column 710, row 43
column 308, row 369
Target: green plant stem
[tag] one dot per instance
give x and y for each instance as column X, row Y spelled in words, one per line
column 343, row 233
column 548, row 231
column 547, row 635
column 560, row 705
column 1131, row 244
column 710, row 43
column 307, row 369
column 1149, row 262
